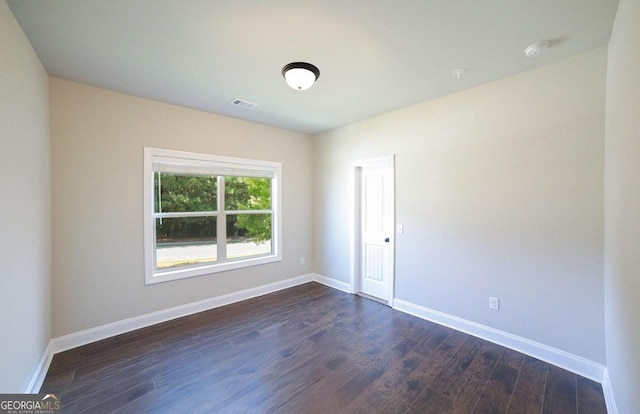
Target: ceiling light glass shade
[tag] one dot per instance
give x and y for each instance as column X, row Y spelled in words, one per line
column 300, row 75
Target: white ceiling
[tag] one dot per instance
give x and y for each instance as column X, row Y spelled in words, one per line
column 374, row 56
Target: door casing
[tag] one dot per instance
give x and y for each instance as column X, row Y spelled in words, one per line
column 355, row 225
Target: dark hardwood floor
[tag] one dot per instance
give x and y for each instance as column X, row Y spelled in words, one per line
column 310, row 349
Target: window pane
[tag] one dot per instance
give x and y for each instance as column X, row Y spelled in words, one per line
column 247, row 193
column 185, row 192
column 248, row 235
column 185, row 241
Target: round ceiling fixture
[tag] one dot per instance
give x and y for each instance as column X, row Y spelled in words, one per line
column 300, row 75
column 535, row 49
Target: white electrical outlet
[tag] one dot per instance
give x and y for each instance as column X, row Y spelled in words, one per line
column 400, row 228
column 303, row 260
column 494, row 303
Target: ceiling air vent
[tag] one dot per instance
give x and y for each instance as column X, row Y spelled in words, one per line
column 244, row 104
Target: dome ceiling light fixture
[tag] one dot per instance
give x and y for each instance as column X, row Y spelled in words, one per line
column 535, row 49
column 300, row 75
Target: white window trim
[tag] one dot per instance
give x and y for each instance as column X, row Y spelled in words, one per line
column 226, row 164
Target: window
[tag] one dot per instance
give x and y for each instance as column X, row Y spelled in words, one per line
column 206, row 214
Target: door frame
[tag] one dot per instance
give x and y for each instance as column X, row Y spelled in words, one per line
column 355, row 225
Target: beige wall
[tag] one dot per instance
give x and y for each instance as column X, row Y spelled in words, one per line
column 97, row 153
column 622, row 208
column 25, row 207
column 500, row 189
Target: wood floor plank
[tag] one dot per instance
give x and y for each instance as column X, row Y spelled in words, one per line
column 560, row 392
column 384, row 392
column 418, row 380
column 590, row 397
column 448, row 379
column 468, row 389
column 525, row 402
column 296, row 353
column 499, row 388
column 365, row 363
column 109, row 400
column 528, row 393
column 428, row 402
column 533, row 376
column 392, row 392
column 309, row 349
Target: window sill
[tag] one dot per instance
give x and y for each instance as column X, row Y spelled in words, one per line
column 184, row 273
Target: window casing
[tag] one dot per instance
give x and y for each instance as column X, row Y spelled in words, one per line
column 206, row 214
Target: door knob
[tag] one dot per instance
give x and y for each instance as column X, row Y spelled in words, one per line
column 386, row 240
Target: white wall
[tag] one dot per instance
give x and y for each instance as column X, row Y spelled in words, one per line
column 500, row 189
column 25, row 207
column 622, row 208
column 97, row 153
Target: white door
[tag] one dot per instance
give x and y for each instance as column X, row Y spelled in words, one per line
column 375, row 223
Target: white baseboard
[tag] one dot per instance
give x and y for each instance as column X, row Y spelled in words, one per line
column 607, row 389
column 333, row 283
column 573, row 363
column 98, row 333
column 562, row 359
column 41, row 371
